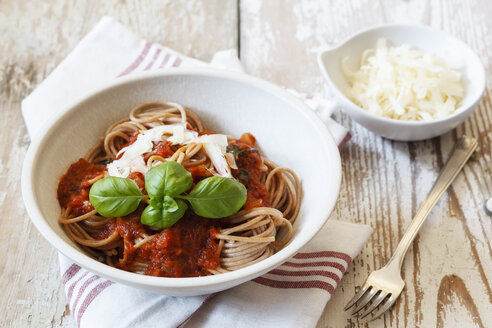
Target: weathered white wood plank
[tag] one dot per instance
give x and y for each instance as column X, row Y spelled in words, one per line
column 448, row 269
column 34, row 38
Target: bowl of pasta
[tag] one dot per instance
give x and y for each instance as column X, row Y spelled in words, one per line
column 182, row 182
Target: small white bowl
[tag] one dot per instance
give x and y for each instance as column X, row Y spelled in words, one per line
column 460, row 55
column 286, row 129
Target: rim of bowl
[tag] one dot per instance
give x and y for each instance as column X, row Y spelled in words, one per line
column 459, row 111
column 131, row 278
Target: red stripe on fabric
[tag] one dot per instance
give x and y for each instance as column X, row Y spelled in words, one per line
column 316, row 264
column 139, row 59
column 177, row 62
column 82, row 289
column 164, row 61
column 70, row 272
column 198, row 308
column 312, row 255
column 90, row 297
column 348, row 136
column 72, row 286
column 156, row 54
column 323, row 273
column 295, row 284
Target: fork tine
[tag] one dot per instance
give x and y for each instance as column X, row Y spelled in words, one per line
column 389, row 303
column 365, row 300
column 377, row 300
column 357, row 296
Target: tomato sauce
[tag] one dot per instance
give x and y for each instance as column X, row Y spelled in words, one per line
column 129, row 228
column 249, row 163
column 187, row 249
column 107, row 230
column 139, row 179
column 164, row 149
column 199, row 172
column 74, row 186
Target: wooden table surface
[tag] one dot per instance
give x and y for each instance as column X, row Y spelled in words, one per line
column 448, row 270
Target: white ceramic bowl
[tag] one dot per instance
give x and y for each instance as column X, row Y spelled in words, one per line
column 462, row 58
column 287, row 131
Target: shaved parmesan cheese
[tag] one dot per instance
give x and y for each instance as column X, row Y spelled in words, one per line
column 131, row 159
column 404, row 83
column 215, row 146
column 231, row 161
column 181, row 135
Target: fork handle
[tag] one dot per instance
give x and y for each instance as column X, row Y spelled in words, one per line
column 463, row 149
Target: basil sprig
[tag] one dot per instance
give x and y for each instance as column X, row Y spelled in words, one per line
column 213, row 197
column 113, row 196
column 162, row 184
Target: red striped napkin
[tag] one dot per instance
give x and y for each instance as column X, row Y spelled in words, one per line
column 293, row 295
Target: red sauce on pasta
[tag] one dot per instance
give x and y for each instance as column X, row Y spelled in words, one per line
column 248, row 173
column 139, row 179
column 74, row 186
column 164, row 149
column 198, row 172
column 107, row 231
column 189, row 248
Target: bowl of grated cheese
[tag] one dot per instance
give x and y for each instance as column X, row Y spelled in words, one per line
column 405, row 82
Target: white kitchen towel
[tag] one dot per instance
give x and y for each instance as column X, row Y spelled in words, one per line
column 293, row 295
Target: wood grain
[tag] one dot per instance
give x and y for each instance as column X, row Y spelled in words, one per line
column 448, row 270
column 385, row 181
column 34, row 38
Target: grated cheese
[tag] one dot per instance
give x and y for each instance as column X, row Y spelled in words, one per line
column 404, row 83
column 131, row 159
column 215, row 146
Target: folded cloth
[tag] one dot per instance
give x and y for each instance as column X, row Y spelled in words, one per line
column 293, row 295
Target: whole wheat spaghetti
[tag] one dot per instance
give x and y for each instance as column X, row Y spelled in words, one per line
column 194, row 246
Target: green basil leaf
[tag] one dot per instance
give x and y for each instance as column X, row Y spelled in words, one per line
column 169, row 204
column 169, row 178
column 161, row 218
column 170, row 218
column 217, row 197
column 113, row 196
column 235, row 151
column 156, row 202
column 151, row 216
